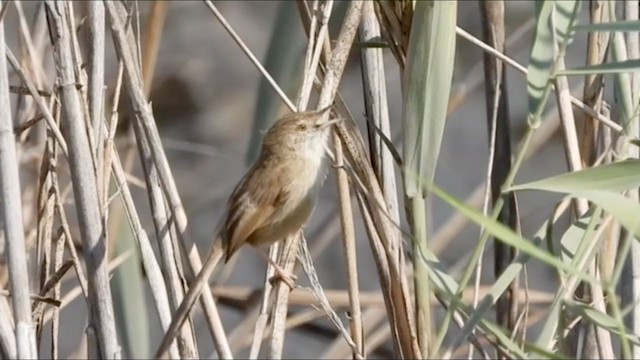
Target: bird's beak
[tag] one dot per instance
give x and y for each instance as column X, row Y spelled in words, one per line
column 330, row 122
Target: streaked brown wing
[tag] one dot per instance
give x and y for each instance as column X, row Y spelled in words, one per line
column 245, row 225
column 254, row 201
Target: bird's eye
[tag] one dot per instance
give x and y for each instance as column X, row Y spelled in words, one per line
column 302, row 127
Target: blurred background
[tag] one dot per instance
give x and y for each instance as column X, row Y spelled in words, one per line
column 204, row 97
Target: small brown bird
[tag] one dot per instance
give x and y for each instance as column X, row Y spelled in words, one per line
column 272, row 201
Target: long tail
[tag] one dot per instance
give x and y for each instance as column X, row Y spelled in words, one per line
column 191, row 297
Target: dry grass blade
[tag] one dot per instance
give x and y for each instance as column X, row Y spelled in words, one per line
column 319, row 294
column 101, row 318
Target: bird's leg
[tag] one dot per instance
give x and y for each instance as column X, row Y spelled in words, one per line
column 281, row 274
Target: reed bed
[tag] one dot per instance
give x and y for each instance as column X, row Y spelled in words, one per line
column 101, row 236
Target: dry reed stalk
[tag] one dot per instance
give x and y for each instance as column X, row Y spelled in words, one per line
column 153, row 34
column 385, row 242
column 145, row 117
column 46, row 210
column 7, row 335
column 101, row 320
column 25, row 341
column 327, row 94
column 498, row 121
column 241, row 297
column 168, row 254
column 384, row 247
column 377, row 111
column 346, row 216
column 597, row 45
column 349, row 244
column 42, row 106
column 152, row 269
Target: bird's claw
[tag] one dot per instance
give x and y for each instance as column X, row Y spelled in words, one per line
column 289, row 279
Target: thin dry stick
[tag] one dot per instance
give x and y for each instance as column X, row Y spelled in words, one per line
column 144, row 115
column 77, row 290
column 327, row 94
column 316, row 47
column 165, row 229
column 572, row 148
column 293, row 321
column 241, row 297
column 161, row 222
column 173, row 281
column 44, row 222
column 96, row 86
column 96, row 65
column 101, row 320
column 346, row 215
column 42, row 106
column 249, row 54
column 576, row 102
column 498, row 122
column 12, row 220
column 373, row 317
column 152, row 42
column 263, row 314
column 349, row 243
column 55, row 324
column 82, row 279
column 318, row 293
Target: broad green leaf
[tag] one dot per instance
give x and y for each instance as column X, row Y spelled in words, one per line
column 500, row 285
column 427, row 84
column 128, row 288
column 446, row 285
column 618, row 176
column 572, row 238
column 623, row 209
column 539, row 69
column 548, row 13
column 506, row 235
column 562, row 16
column 624, row 89
column 623, row 25
column 601, row 319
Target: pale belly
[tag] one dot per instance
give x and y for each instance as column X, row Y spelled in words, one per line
column 289, row 225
